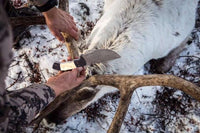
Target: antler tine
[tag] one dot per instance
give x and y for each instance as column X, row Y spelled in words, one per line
column 132, row 83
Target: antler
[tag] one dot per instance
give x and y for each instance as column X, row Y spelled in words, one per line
column 69, row 41
column 126, row 85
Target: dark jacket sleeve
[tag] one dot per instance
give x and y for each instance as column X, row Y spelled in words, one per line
column 17, row 108
column 37, row 2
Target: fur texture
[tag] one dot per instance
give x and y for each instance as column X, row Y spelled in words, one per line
column 139, row 30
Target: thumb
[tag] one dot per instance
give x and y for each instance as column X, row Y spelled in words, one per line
column 80, row 79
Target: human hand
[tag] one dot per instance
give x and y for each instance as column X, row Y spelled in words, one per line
column 66, row 80
column 60, row 21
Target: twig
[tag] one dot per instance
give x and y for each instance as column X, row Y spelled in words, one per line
column 16, row 80
column 192, row 56
column 138, row 96
column 100, row 125
column 35, row 74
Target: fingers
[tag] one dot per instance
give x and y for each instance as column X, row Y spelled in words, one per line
column 79, row 73
column 60, row 21
column 69, row 58
column 69, row 16
column 72, row 74
column 71, row 30
column 63, row 61
column 75, row 72
column 66, row 80
column 70, row 26
column 74, row 34
column 57, row 34
column 79, row 69
column 70, row 19
column 83, row 72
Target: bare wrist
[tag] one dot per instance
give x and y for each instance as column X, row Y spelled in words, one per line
column 57, row 89
column 53, row 88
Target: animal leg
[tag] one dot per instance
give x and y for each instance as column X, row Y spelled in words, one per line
column 163, row 65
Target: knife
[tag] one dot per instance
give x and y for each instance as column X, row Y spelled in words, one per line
column 97, row 56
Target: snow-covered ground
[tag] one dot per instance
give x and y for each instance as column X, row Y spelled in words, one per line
column 152, row 109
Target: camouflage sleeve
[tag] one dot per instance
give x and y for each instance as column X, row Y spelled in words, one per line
column 17, row 108
column 26, row 103
column 38, row 2
column 5, row 58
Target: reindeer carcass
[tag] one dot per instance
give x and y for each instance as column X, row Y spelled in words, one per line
column 138, row 30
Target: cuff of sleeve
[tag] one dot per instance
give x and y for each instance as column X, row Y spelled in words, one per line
column 47, row 6
column 38, row 2
column 51, row 92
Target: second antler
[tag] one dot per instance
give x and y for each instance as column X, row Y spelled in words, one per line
column 126, row 85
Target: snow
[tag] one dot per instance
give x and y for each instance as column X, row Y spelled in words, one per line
column 145, row 113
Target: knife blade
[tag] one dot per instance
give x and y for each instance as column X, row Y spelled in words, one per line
column 97, row 56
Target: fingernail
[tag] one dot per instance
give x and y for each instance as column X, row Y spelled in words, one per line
column 63, row 61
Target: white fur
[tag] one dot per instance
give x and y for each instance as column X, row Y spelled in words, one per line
column 139, row 34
